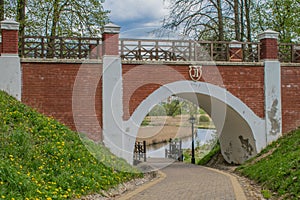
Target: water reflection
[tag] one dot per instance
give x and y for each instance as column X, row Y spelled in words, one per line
column 202, row 137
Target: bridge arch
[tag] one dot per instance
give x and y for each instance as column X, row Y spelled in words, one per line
column 241, row 132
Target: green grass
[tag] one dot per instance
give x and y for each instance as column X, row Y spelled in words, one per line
column 43, row 159
column 216, row 149
column 277, row 168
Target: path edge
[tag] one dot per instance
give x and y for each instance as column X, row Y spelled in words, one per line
column 237, row 188
column 145, row 186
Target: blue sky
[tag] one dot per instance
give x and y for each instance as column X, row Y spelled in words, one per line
column 137, row 17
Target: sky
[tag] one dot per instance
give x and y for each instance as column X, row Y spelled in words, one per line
column 137, row 18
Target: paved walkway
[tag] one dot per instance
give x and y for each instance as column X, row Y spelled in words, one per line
column 186, row 181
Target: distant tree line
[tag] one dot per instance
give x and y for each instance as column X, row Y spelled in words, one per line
column 240, row 20
column 55, row 17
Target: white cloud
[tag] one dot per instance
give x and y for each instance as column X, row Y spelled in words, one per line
column 134, row 10
column 137, row 18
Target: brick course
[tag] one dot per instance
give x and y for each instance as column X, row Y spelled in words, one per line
column 290, row 89
column 244, row 82
column 10, row 41
column 48, row 87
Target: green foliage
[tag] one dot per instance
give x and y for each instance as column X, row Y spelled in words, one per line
column 216, row 149
column 167, row 109
column 266, row 194
column 60, row 17
column 41, row 158
column 173, row 108
column 145, row 122
column 157, row 110
column 204, row 118
column 281, row 16
column 277, row 168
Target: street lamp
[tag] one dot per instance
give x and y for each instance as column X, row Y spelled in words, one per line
column 192, row 121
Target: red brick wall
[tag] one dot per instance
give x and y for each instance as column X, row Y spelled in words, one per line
column 110, row 43
column 10, row 41
column 269, row 49
column 290, row 86
column 246, row 83
column 48, row 87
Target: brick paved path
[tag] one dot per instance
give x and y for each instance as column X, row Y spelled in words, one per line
column 186, row 181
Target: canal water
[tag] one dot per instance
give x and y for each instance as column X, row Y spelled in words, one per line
column 202, row 137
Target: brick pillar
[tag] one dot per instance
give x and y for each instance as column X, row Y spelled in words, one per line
column 110, row 38
column 235, row 51
column 10, row 38
column 269, row 46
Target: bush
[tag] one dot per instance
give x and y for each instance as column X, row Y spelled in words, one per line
column 204, row 118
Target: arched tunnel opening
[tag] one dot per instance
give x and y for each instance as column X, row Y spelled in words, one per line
column 167, row 131
column 240, row 132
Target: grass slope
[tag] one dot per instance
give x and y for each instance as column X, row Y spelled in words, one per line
column 42, row 159
column 277, row 168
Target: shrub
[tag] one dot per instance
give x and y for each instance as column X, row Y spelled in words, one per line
column 204, row 118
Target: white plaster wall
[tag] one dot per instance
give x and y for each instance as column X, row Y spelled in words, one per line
column 11, row 75
column 114, row 136
column 273, row 111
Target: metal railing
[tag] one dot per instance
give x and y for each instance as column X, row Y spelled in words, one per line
column 148, row 49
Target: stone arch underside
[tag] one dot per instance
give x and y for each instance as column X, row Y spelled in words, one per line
column 241, row 132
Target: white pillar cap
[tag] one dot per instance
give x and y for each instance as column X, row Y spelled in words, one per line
column 9, row 25
column 111, row 28
column 268, row 34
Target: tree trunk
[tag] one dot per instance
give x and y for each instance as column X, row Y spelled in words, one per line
column 21, row 16
column 1, row 10
column 237, row 20
column 248, row 20
column 53, row 34
column 242, row 21
column 220, row 20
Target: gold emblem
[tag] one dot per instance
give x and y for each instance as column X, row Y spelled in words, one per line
column 195, row 72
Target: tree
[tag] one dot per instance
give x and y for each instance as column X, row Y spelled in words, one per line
column 281, row 16
column 58, row 17
column 200, row 19
column 241, row 20
column 1, row 10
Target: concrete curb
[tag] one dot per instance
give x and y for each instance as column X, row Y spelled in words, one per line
column 238, row 191
column 128, row 195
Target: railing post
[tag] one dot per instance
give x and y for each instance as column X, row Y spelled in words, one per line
column 145, row 151
column 269, row 46
column 10, row 38
column 235, row 51
column 110, row 39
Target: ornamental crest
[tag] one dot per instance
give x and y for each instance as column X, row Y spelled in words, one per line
column 195, row 72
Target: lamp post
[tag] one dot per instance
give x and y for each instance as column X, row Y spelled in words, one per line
column 192, row 121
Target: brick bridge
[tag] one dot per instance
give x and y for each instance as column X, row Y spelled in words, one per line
column 105, row 87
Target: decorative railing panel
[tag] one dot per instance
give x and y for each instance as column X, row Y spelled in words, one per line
column 150, row 50
column 183, row 50
column 59, row 47
column 288, row 52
